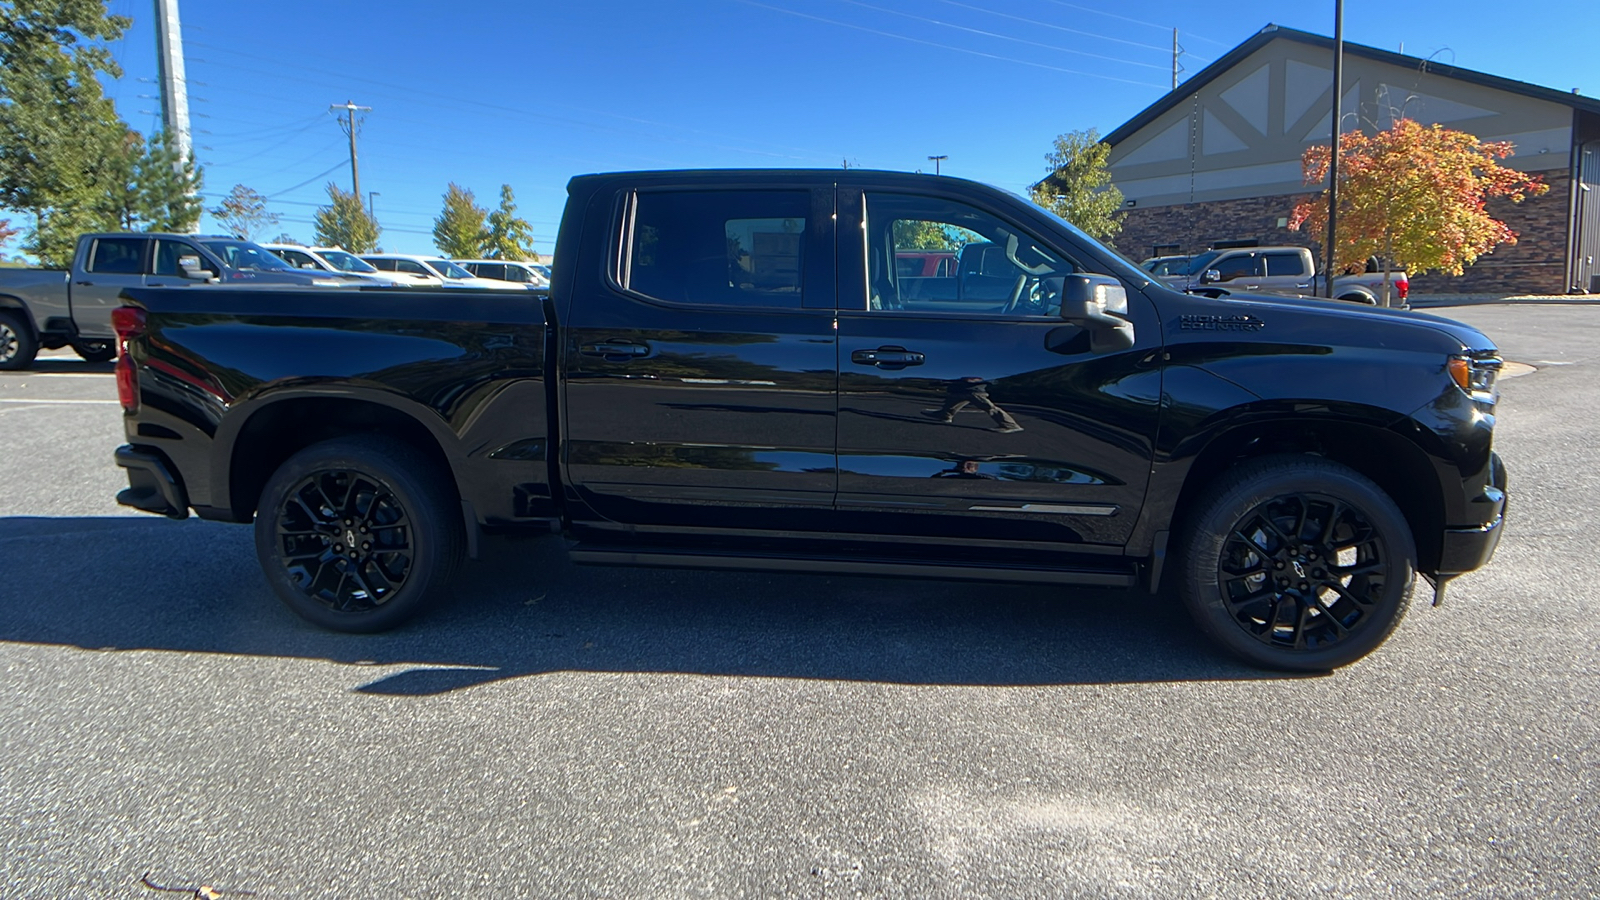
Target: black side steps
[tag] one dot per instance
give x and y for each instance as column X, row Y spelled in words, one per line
column 672, row 558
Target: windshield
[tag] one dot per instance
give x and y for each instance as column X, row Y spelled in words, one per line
column 1201, row 262
column 347, row 262
column 449, row 269
column 1132, row 271
column 247, row 256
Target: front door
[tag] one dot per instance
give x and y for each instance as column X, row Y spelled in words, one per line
column 984, row 417
column 700, row 376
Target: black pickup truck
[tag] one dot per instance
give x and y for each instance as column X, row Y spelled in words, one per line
column 726, row 373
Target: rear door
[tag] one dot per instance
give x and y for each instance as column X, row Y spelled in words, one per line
column 108, row 265
column 699, row 360
column 1285, row 273
column 986, row 424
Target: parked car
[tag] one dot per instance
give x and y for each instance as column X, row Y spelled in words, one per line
column 52, row 308
column 505, row 270
column 1290, row 271
column 337, row 259
column 723, row 378
column 1160, row 266
column 422, row 268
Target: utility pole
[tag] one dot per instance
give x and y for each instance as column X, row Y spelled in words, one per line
column 937, row 160
column 174, row 88
column 371, row 209
column 1333, row 160
column 349, row 128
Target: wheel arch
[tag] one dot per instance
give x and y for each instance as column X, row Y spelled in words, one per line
column 282, row 426
column 12, row 303
column 1399, row 467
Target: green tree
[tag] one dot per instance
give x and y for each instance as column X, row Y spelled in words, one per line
column 169, row 187
column 344, row 223
column 460, row 230
column 508, row 237
column 57, row 128
column 1079, row 187
column 243, row 212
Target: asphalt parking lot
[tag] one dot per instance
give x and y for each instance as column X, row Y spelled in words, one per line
column 568, row 732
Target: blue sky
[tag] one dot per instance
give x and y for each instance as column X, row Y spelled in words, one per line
column 532, row 93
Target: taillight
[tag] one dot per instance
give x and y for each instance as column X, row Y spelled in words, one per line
column 128, row 321
column 1403, row 286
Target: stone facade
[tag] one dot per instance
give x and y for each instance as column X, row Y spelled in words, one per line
column 1536, row 264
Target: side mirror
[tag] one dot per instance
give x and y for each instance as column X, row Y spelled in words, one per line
column 190, row 266
column 1211, row 276
column 1099, row 305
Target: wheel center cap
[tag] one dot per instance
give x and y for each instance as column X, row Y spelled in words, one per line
column 1299, row 569
column 350, row 539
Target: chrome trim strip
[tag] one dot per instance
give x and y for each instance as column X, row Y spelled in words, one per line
column 1052, row 508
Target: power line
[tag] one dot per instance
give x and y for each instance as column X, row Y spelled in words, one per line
column 902, row 37
column 1101, row 12
column 304, row 183
column 1003, row 37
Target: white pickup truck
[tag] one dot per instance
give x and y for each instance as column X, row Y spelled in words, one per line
column 1282, row 270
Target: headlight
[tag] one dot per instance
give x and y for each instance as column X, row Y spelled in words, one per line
column 1475, row 375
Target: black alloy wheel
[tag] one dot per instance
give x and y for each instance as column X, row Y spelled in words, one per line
column 17, row 345
column 1298, row 563
column 358, row 534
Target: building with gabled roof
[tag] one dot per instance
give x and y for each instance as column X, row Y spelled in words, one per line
column 1219, row 158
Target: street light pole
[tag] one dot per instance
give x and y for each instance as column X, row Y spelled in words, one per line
column 1333, row 159
column 936, row 160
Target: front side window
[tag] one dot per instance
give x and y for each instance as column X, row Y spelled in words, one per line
column 298, row 260
column 167, row 255
column 246, row 256
column 732, row 248
column 410, row 267
column 913, row 242
column 1241, row 266
column 118, row 256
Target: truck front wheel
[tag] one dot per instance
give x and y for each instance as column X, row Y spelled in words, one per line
column 358, row 534
column 17, row 344
column 1297, row 563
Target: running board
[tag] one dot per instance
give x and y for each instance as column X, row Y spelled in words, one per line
column 591, row 555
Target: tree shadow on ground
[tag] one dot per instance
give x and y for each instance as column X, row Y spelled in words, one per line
column 142, row 583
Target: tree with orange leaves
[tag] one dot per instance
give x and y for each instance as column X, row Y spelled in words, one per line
column 1414, row 195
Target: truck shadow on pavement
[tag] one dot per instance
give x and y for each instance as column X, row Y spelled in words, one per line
column 142, row 583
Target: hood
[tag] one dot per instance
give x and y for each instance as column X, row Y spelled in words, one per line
column 1355, row 320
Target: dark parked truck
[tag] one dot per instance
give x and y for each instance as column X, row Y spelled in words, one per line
column 725, row 374
column 52, row 308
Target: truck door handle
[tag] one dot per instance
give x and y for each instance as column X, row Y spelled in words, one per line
column 1304, row 285
column 615, row 350
column 85, row 283
column 887, row 357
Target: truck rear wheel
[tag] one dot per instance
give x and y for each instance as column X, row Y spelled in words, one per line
column 95, row 351
column 1297, row 563
column 17, row 344
column 358, row 534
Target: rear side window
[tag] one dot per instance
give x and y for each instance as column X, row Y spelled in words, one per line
column 411, row 267
column 118, row 256
column 727, row 248
column 1285, row 264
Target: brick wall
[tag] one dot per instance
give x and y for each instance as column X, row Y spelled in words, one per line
column 1536, row 264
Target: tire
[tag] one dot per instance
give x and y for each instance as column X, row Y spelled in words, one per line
column 402, row 515
column 95, row 351
column 18, row 346
column 1256, row 572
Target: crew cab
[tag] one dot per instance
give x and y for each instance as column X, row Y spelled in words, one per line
column 726, row 373
column 52, row 308
column 1289, row 271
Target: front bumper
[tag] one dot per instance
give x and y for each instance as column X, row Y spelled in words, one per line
column 152, row 486
column 1471, row 547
